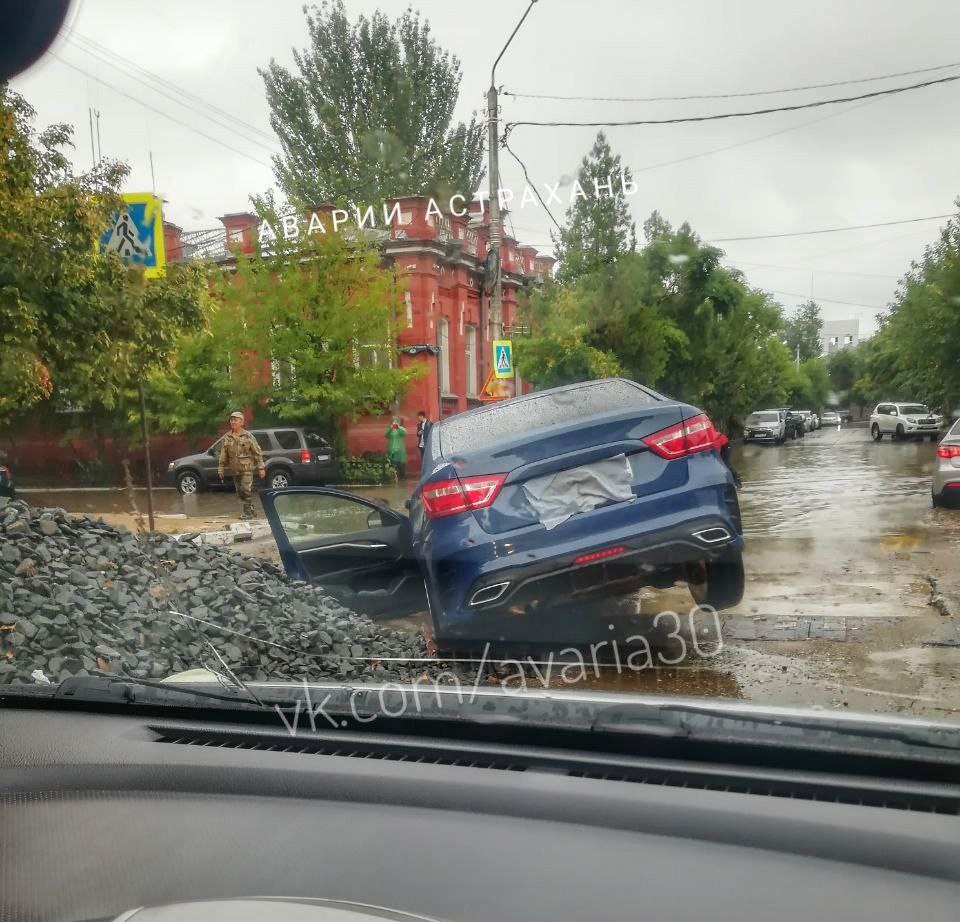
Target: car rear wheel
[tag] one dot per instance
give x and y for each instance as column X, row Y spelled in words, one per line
column 875, row 432
column 189, row 483
column 719, row 583
column 279, row 480
column 935, row 501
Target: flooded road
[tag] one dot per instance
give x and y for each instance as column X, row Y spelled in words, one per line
column 844, row 558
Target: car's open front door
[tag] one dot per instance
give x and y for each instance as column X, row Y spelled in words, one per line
column 356, row 549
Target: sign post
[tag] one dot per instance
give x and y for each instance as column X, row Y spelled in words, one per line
column 135, row 234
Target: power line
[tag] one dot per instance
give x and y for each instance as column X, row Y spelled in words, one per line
column 789, row 89
column 808, row 269
column 165, row 115
column 724, row 115
column 530, row 183
column 828, row 230
column 174, row 98
column 90, row 46
column 744, row 143
column 807, row 297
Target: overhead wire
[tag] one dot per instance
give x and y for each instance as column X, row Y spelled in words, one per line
column 726, row 115
column 739, row 95
column 530, row 182
column 827, row 230
column 90, row 46
column 160, row 112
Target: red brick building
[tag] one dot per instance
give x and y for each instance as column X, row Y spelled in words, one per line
column 449, row 327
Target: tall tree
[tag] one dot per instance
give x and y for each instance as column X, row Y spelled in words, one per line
column 368, row 113
column 802, row 332
column 598, row 227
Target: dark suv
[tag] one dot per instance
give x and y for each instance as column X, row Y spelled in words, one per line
column 291, row 455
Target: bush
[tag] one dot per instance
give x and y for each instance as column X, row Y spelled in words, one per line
column 373, row 467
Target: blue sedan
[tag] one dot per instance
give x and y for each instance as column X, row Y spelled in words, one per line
column 587, row 490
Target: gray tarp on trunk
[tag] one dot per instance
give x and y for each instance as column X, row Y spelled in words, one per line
column 556, row 497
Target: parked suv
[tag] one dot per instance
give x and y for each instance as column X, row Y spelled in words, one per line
column 765, row 426
column 291, row 455
column 903, row 420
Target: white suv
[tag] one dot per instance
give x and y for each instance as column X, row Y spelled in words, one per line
column 903, row 420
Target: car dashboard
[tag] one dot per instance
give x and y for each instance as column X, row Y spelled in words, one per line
column 104, row 813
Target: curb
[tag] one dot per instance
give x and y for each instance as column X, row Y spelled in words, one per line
column 237, row 532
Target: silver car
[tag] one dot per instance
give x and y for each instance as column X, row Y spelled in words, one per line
column 946, row 475
column 830, row 418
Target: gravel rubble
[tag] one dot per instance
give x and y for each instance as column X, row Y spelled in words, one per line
column 81, row 597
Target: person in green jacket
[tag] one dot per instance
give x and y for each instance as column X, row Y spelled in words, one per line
column 397, row 447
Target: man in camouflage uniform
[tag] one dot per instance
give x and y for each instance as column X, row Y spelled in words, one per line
column 242, row 454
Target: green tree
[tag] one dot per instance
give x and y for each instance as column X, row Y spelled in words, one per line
column 843, row 368
column 305, row 335
column 918, row 344
column 669, row 316
column 76, row 326
column 368, row 113
column 809, row 385
column 598, row 227
column 802, row 331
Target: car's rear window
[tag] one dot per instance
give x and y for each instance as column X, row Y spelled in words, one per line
column 287, row 438
column 515, row 418
column 315, row 440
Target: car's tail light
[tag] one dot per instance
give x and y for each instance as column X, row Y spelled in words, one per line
column 304, row 456
column 686, row 438
column 5, row 471
column 600, row 555
column 448, row 497
column 948, row 451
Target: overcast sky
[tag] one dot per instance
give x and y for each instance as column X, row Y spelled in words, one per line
column 886, row 159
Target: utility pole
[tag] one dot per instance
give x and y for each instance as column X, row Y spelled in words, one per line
column 93, row 153
column 495, row 233
column 96, row 115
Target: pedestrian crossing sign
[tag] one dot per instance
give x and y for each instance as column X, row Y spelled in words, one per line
column 135, row 233
column 503, row 358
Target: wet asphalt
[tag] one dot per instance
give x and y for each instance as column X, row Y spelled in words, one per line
column 845, row 557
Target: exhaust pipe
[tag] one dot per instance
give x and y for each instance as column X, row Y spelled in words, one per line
column 489, row 594
column 714, row 535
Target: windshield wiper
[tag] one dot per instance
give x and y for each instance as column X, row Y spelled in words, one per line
column 131, row 690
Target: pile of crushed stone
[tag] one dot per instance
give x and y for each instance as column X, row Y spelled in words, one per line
column 81, row 597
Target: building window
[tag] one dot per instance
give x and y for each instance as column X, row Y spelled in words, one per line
column 443, row 341
column 848, row 340
column 470, row 349
column 834, row 340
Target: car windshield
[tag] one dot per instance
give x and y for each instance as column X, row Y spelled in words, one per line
column 504, row 309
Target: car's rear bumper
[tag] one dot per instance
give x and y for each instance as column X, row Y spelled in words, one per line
column 946, row 483
column 658, row 533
